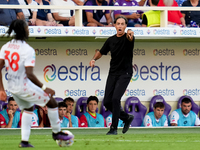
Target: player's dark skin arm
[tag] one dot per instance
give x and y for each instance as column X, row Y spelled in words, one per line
column 3, row 95
column 52, row 103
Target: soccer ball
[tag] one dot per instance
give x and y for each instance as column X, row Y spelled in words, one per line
column 67, row 143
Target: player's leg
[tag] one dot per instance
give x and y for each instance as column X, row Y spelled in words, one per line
column 120, row 88
column 54, row 120
column 25, row 121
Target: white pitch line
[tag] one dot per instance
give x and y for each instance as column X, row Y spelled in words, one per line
column 146, row 141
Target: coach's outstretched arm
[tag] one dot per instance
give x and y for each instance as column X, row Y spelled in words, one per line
column 3, row 96
column 96, row 56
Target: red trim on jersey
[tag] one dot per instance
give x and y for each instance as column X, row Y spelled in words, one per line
column 2, row 120
column 92, row 115
column 83, row 121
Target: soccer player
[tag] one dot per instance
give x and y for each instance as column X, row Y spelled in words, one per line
column 10, row 117
column 62, row 109
column 184, row 116
column 91, row 118
column 121, row 47
column 74, row 119
column 156, row 118
column 27, row 90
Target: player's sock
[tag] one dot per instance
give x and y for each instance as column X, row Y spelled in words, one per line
column 54, row 119
column 26, row 125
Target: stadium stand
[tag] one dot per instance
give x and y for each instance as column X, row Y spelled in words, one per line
column 159, row 98
column 135, row 107
column 195, row 107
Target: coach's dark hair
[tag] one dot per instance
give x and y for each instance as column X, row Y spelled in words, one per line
column 19, row 27
column 68, row 99
column 155, row 2
column 159, row 105
column 62, row 104
column 92, row 98
column 126, row 20
column 186, row 100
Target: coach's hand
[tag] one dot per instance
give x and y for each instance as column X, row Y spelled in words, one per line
column 50, row 92
column 92, row 62
column 130, row 34
column 3, row 96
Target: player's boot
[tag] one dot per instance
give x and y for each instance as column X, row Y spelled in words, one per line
column 25, row 144
column 61, row 136
column 127, row 123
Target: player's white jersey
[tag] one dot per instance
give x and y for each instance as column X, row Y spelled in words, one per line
column 17, row 55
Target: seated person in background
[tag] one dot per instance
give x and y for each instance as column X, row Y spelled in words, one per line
column 180, row 2
column 8, row 15
column 44, row 16
column 152, row 17
column 10, row 117
column 79, row 2
column 62, row 109
column 143, row 3
column 133, row 16
column 70, row 104
column 191, row 15
column 109, row 121
column 34, row 121
column 156, row 118
column 65, row 16
column 91, row 118
column 184, row 116
column 175, row 18
column 41, row 113
column 30, row 14
column 93, row 17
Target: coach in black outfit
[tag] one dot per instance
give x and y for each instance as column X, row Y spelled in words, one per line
column 121, row 47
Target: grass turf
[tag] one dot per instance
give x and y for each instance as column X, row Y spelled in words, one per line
column 95, row 139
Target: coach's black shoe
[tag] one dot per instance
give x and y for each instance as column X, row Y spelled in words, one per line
column 112, row 132
column 25, row 144
column 127, row 123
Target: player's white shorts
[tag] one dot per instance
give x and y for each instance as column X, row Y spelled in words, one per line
column 30, row 95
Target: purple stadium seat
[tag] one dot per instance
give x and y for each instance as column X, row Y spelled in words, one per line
column 195, row 107
column 159, row 98
column 58, row 99
column 104, row 112
column 81, row 106
column 3, row 104
column 135, row 107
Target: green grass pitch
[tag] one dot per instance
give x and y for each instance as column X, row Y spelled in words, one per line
column 96, row 139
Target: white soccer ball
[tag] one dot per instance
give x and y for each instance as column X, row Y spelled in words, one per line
column 67, row 143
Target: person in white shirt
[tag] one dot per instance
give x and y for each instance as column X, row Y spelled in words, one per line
column 29, row 14
column 66, row 16
column 184, row 116
column 19, row 59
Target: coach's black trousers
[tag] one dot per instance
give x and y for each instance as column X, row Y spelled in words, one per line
column 115, row 88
